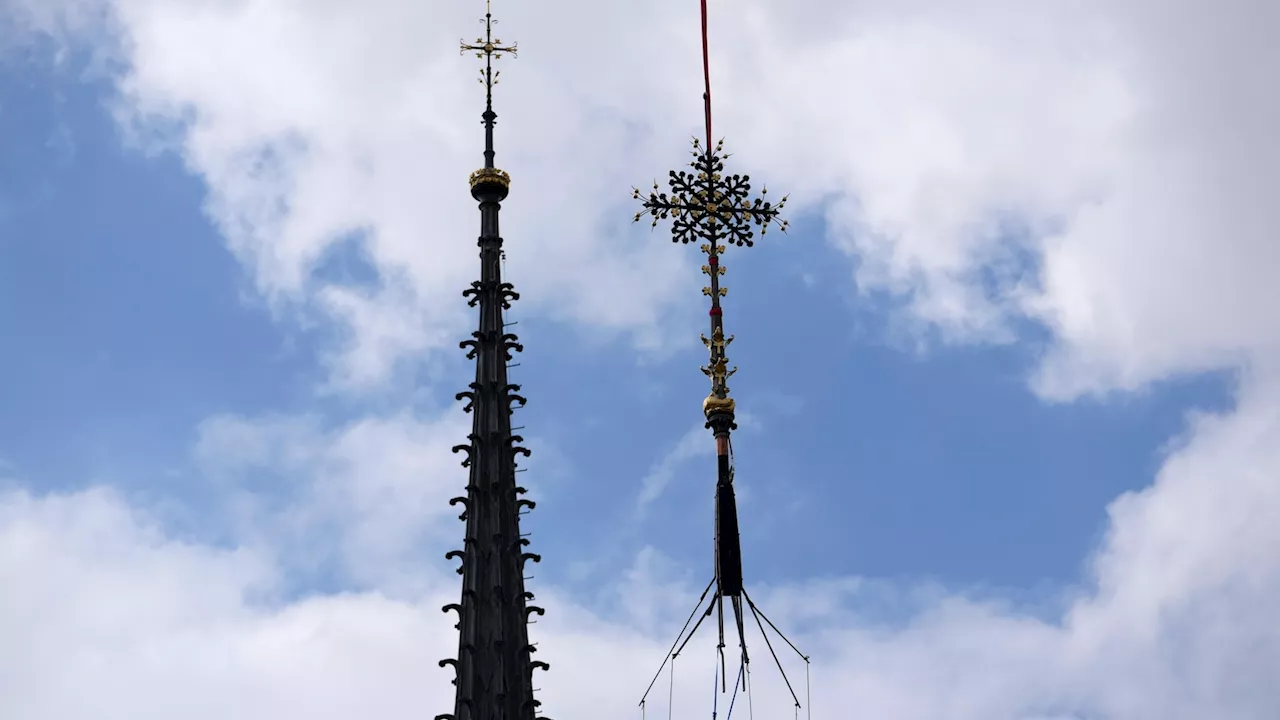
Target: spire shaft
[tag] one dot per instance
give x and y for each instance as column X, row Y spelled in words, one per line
column 489, row 115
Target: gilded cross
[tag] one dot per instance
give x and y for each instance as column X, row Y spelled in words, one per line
column 488, row 47
column 708, row 206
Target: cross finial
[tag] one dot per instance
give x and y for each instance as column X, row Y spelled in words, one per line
column 717, row 210
column 488, row 47
column 704, row 204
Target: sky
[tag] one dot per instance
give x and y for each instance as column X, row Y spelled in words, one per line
column 1008, row 390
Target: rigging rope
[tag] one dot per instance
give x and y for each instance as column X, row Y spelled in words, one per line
column 736, row 684
column 671, row 654
column 715, row 689
column 671, row 690
column 775, row 628
column 808, row 698
column 756, row 613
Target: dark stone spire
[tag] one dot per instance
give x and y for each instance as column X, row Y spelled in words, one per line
column 494, row 665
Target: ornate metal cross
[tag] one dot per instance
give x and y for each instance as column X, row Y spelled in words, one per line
column 705, row 205
column 488, row 47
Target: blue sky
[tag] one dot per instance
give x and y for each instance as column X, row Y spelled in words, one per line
column 243, row 328
column 133, row 318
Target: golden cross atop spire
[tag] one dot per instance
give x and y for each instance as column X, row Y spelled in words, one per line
column 488, row 47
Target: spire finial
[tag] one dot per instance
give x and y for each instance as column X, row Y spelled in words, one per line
column 488, row 48
column 706, row 205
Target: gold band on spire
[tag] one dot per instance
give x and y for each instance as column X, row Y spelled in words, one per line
column 485, row 176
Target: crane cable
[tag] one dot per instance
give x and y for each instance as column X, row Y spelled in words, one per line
column 706, row 74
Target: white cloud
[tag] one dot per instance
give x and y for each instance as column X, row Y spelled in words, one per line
column 359, row 500
column 356, row 503
column 103, row 617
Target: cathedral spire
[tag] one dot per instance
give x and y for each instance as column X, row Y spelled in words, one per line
column 494, row 667
column 717, row 210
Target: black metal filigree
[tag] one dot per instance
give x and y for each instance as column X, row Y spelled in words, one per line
column 707, row 205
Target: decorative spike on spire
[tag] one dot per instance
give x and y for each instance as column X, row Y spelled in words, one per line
column 494, row 667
